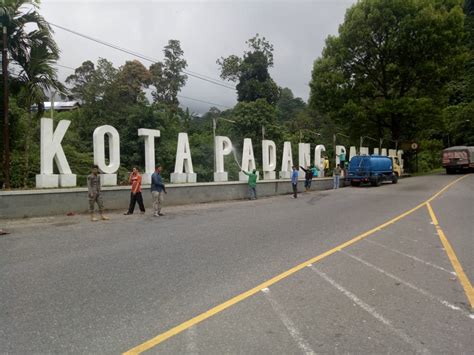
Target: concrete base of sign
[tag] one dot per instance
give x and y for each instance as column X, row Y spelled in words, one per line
column 243, row 177
column 269, row 175
column 285, row 174
column 177, row 178
column 67, row 180
column 44, row 181
column 220, row 177
column 108, row 179
column 191, row 177
column 146, row 179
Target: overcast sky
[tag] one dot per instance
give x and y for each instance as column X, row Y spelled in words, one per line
column 207, row 30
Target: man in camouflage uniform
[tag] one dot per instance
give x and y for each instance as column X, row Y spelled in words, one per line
column 93, row 186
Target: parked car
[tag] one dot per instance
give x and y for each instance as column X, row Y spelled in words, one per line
column 373, row 169
column 458, row 159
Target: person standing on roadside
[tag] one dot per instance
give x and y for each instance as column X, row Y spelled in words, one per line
column 342, row 160
column 294, row 181
column 94, row 194
column 157, row 190
column 336, row 176
column 252, row 183
column 326, row 166
column 136, row 194
column 308, row 177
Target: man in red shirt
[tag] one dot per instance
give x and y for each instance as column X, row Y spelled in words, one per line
column 136, row 195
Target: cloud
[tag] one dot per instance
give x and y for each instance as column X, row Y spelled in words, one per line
column 207, row 30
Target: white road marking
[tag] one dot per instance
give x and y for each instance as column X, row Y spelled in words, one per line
column 191, row 346
column 408, row 284
column 410, row 256
column 419, row 348
column 290, row 326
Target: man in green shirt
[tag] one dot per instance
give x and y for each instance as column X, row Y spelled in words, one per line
column 252, row 184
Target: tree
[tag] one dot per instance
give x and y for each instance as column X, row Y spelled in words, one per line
column 458, row 116
column 90, row 83
column 167, row 77
column 387, row 70
column 32, row 48
column 131, row 79
column 251, row 72
column 36, row 77
column 288, row 106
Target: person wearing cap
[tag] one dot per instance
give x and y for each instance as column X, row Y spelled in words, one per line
column 94, row 194
column 252, row 183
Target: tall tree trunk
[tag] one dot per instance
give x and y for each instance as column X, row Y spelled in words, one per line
column 27, row 149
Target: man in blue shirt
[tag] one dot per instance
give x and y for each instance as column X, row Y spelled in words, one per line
column 294, row 181
column 157, row 190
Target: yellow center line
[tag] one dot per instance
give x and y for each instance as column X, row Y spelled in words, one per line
column 219, row 308
column 463, row 279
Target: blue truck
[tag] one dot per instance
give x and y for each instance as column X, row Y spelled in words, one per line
column 373, row 169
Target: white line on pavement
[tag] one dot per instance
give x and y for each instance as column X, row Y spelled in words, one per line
column 408, row 284
column 191, row 346
column 419, row 348
column 411, row 257
column 290, row 326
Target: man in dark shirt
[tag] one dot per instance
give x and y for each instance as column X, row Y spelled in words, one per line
column 157, row 190
column 308, row 177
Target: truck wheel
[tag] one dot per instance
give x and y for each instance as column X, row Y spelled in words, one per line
column 355, row 183
column 375, row 182
column 395, row 179
column 449, row 171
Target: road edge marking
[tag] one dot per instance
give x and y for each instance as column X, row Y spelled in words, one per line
column 148, row 344
column 461, row 275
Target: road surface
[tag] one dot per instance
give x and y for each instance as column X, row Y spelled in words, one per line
column 324, row 273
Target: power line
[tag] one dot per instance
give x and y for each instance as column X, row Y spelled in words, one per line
column 141, row 56
column 206, row 102
column 64, row 66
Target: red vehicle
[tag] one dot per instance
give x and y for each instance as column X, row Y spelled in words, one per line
column 458, row 159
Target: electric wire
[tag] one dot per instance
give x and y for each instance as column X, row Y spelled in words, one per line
column 142, row 56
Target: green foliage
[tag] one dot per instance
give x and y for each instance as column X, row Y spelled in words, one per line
column 251, row 72
column 429, row 157
column 386, row 72
column 167, row 77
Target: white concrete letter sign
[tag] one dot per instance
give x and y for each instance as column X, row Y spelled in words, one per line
column 183, row 161
column 248, row 159
column 109, row 178
column 304, row 157
column 149, row 135
column 318, row 160
column 268, row 160
column 223, row 146
column 51, row 149
column 286, row 161
column 364, row 151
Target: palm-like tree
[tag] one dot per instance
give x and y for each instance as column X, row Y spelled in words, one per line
column 33, row 50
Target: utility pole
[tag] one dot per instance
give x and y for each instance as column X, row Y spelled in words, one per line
column 6, row 135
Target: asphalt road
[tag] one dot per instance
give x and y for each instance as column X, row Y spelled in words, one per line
column 72, row 286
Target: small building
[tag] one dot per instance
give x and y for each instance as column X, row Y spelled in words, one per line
column 60, row 106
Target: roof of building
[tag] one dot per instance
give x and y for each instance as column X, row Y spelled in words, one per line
column 61, row 104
